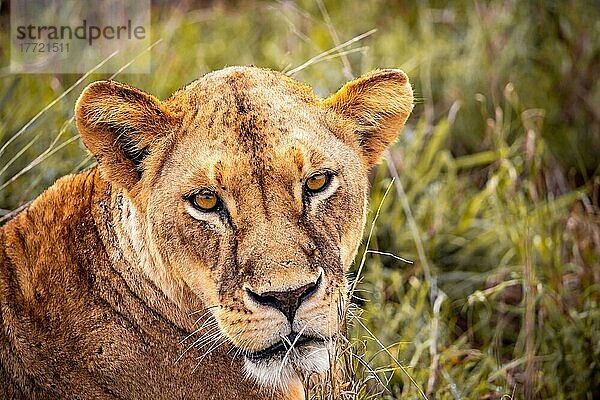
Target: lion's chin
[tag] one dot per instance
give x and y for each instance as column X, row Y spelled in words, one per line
column 281, row 368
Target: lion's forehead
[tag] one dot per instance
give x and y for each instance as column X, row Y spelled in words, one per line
column 252, row 116
column 245, row 101
column 252, row 134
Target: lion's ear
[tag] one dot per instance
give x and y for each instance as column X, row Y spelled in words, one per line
column 120, row 124
column 377, row 104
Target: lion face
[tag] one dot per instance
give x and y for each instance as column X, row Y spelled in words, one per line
column 249, row 192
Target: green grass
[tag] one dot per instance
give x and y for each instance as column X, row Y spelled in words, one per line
column 518, row 308
column 495, row 198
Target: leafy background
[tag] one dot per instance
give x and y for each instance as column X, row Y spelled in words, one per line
column 495, row 189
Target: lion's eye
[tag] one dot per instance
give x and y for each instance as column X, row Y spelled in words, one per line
column 317, row 182
column 205, row 201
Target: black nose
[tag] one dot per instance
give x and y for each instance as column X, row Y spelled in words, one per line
column 286, row 301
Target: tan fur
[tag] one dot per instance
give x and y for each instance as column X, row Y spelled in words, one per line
column 108, row 278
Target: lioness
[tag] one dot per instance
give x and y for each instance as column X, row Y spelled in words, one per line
column 205, row 256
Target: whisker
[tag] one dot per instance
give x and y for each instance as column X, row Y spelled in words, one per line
column 207, row 327
column 207, row 337
column 223, row 340
column 204, row 309
column 203, row 341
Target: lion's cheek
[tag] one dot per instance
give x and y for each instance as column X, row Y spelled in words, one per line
column 349, row 242
column 351, row 215
column 187, row 252
column 198, row 278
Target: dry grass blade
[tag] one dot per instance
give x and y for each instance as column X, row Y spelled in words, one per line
column 321, row 56
column 38, row 161
column 20, row 153
column 409, row 217
column 364, row 256
column 62, row 130
column 53, row 102
column 124, row 67
column 386, row 253
column 402, row 368
column 335, row 37
column 14, row 212
column 436, row 296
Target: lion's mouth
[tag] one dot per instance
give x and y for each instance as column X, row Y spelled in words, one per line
column 292, row 340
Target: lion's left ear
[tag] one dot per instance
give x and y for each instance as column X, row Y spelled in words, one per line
column 378, row 104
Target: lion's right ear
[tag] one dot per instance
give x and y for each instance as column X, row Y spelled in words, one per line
column 120, row 124
column 376, row 105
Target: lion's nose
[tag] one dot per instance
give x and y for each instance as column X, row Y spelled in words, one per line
column 286, row 301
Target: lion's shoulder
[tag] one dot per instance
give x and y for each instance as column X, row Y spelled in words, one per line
column 42, row 242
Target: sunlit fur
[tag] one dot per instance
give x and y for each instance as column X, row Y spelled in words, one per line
column 124, row 274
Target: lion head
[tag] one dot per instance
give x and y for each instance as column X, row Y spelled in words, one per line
column 247, row 192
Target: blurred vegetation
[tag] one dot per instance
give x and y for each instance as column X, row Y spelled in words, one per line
column 496, row 198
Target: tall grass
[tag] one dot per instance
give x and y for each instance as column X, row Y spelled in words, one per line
column 493, row 185
column 514, row 314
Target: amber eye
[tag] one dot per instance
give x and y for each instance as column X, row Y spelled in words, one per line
column 205, row 201
column 317, row 182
